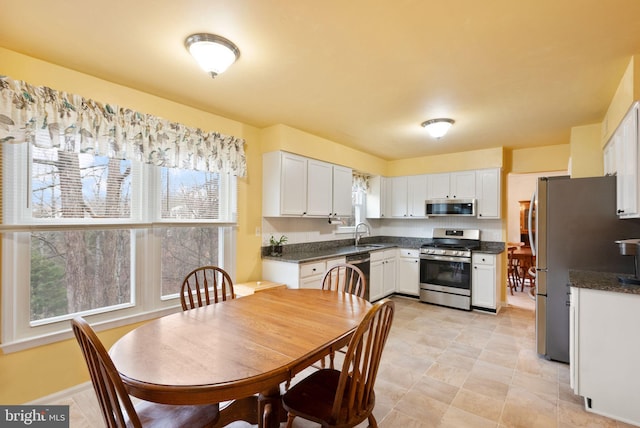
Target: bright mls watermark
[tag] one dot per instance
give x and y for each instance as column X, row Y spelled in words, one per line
column 34, row 416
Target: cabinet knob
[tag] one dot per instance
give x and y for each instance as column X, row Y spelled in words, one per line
column 620, row 211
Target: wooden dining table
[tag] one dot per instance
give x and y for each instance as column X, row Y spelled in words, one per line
column 236, row 349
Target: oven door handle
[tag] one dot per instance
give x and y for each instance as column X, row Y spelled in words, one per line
column 446, row 258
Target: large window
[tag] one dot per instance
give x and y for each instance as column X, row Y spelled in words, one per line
column 105, row 238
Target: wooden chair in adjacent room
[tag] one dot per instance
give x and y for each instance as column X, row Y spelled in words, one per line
column 205, row 285
column 513, row 275
column 347, row 278
column 117, row 408
column 345, row 398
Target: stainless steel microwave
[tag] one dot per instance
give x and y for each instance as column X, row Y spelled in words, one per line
column 451, row 207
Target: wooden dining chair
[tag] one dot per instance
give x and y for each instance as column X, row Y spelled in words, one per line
column 345, row 398
column 117, row 408
column 347, row 278
column 513, row 270
column 205, row 285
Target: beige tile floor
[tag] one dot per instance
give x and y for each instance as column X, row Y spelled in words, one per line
column 448, row 368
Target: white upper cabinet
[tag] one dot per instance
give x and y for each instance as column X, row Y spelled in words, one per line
column 452, row 185
column 377, row 198
column 624, row 143
column 398, row 196
column 284, row 184
column 319, row 188
column 294, row 185
column 439, row 186
column 417, row 188
column 342, row 184
column 488, row 191
column 407, row 195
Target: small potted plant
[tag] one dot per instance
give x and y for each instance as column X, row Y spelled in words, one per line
column 276, row 245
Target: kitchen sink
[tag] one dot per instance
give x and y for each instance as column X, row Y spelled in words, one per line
column 369, row 246
column 360, row 248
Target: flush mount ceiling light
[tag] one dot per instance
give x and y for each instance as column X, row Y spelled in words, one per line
column 437, row 127
column 213, row 53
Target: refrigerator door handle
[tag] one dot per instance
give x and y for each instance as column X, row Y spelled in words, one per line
column 532, row 241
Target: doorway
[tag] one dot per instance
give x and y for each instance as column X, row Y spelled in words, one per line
column 520, row 188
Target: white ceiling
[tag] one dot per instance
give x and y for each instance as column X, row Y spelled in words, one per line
column 363, row 73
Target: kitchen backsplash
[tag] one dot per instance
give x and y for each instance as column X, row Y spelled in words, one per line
column 302, row 230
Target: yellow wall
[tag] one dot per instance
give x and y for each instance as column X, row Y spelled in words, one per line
column 628, row 91
column 476, row 159
column 586, row 151
column 540, row 159
column 283, row 137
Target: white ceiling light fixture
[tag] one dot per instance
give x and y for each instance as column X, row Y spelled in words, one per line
column 437, row 128
column 213, row 53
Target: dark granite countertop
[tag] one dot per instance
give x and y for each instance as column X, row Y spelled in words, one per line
column 315, row 251
column 605, row 281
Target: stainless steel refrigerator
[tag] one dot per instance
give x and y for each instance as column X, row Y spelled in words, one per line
column 576, row 228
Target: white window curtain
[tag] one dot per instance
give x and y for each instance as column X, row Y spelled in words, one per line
column 82, row 125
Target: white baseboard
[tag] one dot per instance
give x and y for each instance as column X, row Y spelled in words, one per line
column 62, row 395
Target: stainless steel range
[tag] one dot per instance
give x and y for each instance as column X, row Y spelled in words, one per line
column 445, row 267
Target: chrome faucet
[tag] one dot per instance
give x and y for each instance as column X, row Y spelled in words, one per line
column 357, row 236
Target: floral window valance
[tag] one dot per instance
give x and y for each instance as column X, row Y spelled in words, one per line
column 360, row 181
column 82, row 125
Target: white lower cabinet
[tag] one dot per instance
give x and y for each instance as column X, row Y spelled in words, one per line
column 604, row 350
column 408, row 272
column 298, row 275
column 382, row 273
column 484, row 281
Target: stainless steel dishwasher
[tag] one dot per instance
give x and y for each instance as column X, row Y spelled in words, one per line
column 361, row 260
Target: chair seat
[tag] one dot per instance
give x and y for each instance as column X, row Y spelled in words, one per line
column 313, row 398
column 153, row 415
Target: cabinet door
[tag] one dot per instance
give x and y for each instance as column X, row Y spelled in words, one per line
column 377, row 197
column 389, row 275
column 417, row 195
column 293, row 184
column 398, row 196
column 462, row 185
column 483, row 281
column 376, row 278
column 319, row 188
column 610, row 160
column 342, row 184
column 488, row 193
column 627, row 183
column 438, row 186
column 408, row 275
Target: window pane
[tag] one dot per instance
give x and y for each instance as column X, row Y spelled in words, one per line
column 79, row 185
column 184, row 249
column 77, row 271
column 188, row 194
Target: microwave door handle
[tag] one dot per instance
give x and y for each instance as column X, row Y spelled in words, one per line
column 532, row 242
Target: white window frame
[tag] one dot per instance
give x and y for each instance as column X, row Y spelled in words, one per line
column 18, row 332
